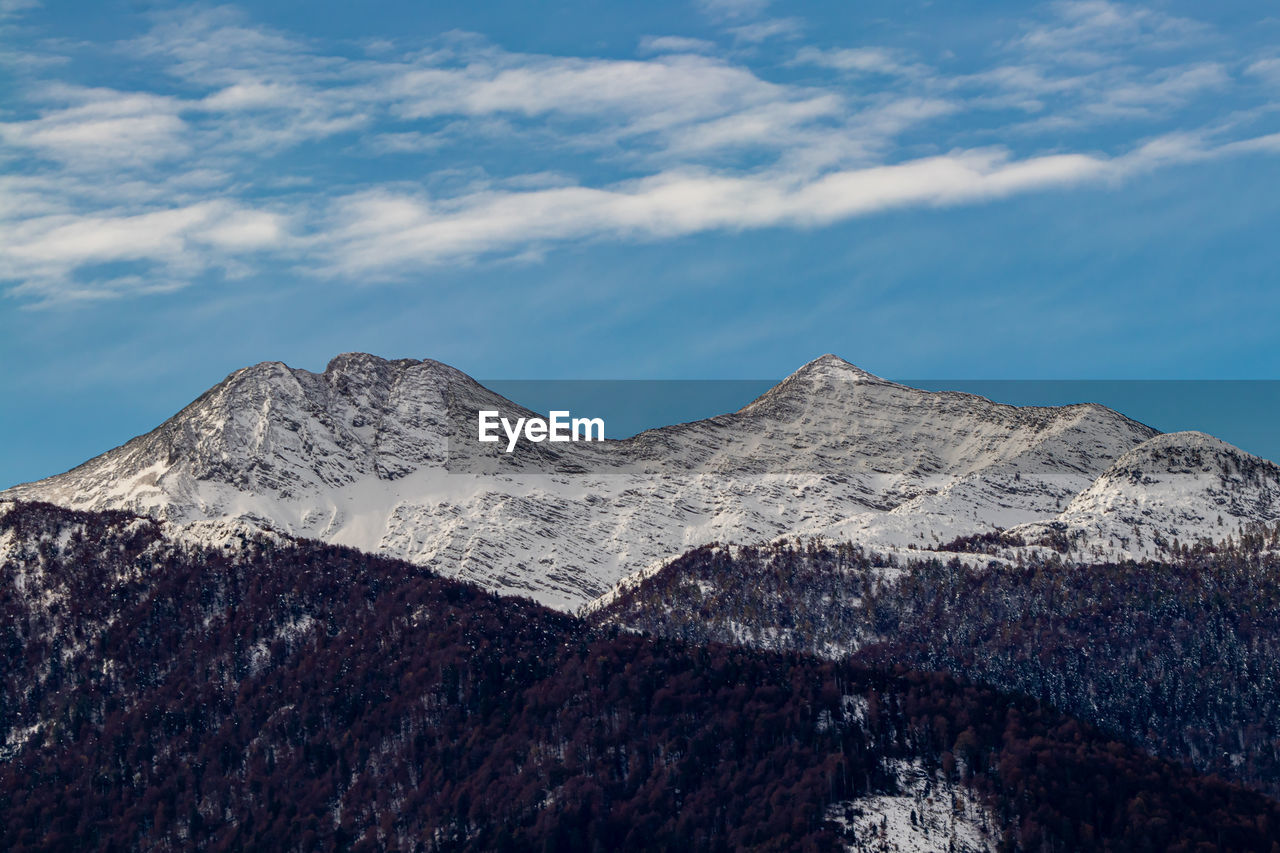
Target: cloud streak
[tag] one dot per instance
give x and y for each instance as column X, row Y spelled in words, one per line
column 377, row 231
column 264, row 150
column 154, row 251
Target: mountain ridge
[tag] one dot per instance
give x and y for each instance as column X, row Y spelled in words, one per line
column 379, row 454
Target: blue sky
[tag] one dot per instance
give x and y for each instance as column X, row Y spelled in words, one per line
column 716, row 189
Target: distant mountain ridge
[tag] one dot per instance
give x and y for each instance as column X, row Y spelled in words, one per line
column 368, row 453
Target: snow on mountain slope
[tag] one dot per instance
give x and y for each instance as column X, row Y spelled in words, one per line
column 381, row 455
column 929, row 815
column 1183, row 486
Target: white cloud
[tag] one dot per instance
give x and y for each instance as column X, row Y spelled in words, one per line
column 675, row 44
column 240, row 229
column 387, row 234
column 757, row 125
column 1164, row 88
column 1269, row 144
column 251, row 94
column 869, row 60
column 1099, row 96
column 383, row 232
column 761, row 31
column 1084, row 29
column 1268, row 69
column 13, row 8
column 103, row 125
column 44, row 253
column 671, row 106
column 665, row 89
column 120, row 187
column 732, row 10
column 219, row 47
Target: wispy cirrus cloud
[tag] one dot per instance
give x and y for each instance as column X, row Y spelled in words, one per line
column 770, row 28
column 13, row 8
column 732, row 10
column 1086, row 31
column 49, row 253
column 262, row 149
column 389, row 232
column 1267, row 69
column 864, row 60
column 89, row 127
column 675, row 44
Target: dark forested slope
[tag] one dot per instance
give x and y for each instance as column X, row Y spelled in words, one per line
column 297, row 696
column 1182, row 658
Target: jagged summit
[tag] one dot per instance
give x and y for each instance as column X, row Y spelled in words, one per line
column 361, row 455
column 347, row 360
column 355, row 363
column 271, row 428
column 834, row 367
column 825, row 380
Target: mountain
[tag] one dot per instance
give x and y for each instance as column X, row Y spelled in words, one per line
column 284, row 695
column 267, row 620
column 1181, row 657
column 380, row 455
column 1183, row 488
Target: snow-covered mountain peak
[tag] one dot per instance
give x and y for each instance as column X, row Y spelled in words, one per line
column 272, row 429
column 381, row 455
column 363, row 366
column 827, row 381
column 1183, row 452
column 1193, row 460
column 351, row 361
column 833, row 367
column 1187, row 487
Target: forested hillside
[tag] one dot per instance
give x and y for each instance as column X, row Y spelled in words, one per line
column 299, row 696
column 1182, row 658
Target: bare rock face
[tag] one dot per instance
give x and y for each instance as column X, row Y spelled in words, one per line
column 380, row 455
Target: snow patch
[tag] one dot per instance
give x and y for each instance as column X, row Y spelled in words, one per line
column 923, row 817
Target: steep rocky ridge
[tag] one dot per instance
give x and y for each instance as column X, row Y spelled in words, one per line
column 380, row 455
